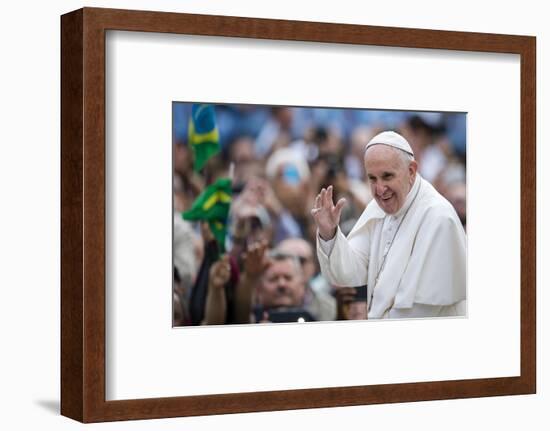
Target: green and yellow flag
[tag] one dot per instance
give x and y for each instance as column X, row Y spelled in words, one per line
column 213, row 206
column 204, row 137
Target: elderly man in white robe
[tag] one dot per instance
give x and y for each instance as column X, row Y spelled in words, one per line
column 408, row 246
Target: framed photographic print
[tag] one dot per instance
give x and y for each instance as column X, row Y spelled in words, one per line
column 197, row 154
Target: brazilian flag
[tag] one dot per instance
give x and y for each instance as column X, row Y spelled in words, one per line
column 212, row 205
column 204, row 137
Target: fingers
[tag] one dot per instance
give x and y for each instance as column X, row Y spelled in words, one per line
column 255, row 254
column 256, row 260
column 338, row 208
column 221, row 271
column 257, row 248
column 325, row 198
column 323, row 201
column 329, row 197
column 317, row 203
column 322, row 197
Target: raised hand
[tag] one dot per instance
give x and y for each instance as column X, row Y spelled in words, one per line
column 326, row 214
column 255, row 259
column 215, row 309
column 220, row 273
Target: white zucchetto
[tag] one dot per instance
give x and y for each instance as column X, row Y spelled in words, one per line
column 393, row 140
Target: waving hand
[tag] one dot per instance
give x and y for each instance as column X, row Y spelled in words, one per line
column 326, row 214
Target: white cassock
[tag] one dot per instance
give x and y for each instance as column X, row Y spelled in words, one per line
column 424, row 271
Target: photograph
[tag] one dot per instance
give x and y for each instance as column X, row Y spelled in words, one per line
column 308, row 211
column 294, row 214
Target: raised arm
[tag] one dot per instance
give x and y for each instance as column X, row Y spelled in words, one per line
column 343, row 262
column 255, row 263
column 216, row 303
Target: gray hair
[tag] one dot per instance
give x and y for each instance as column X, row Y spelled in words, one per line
column 404, row 156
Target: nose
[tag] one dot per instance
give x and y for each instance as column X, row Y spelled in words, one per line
column 380, row 189
column 281, row 285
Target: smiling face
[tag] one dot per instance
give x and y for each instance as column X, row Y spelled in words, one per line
column 390, row 176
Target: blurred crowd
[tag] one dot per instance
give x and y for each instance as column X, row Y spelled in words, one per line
column 280, row 158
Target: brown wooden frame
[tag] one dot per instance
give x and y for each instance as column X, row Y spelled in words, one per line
column 83, row 214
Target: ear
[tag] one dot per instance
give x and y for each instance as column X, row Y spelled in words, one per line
column 413, row 167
